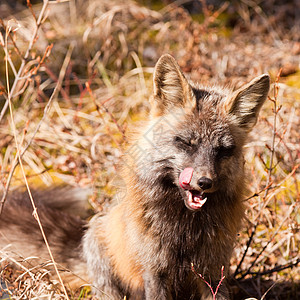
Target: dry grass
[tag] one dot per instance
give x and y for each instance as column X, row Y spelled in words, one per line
column 72, row 104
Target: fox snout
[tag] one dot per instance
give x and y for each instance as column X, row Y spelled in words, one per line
column 195, row 188
column 190, row 179
column 205, row 183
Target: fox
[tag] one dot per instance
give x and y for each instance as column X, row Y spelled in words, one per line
column 173, row 231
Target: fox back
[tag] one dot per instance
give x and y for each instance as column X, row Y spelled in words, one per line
column 184, row 177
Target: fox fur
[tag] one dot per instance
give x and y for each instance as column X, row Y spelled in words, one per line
column 143, row 248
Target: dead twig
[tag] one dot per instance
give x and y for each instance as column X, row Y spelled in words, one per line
column 291, row 209
column 293, row 263
column 276, row 110
column 46, row 109
column 214, row 293
column 268, row 185
column 21, row 70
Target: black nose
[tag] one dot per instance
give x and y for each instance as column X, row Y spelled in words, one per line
column 205, row 183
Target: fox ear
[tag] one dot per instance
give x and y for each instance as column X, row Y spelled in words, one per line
column 244, row 104
column 171, row 89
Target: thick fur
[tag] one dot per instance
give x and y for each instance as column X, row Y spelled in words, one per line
column 144, row 247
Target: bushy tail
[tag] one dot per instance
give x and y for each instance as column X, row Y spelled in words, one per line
column 21, row 238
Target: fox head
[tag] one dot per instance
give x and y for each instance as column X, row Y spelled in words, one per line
column 194, row 140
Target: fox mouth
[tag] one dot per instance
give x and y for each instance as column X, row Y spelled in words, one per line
column 194, row 199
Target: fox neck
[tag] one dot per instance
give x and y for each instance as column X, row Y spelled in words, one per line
column 182, row 236
column 161, row 207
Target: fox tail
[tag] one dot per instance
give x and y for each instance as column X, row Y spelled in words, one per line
column 60, row 211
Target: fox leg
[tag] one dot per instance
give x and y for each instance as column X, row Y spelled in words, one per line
column 104, row 283
column 155, row 287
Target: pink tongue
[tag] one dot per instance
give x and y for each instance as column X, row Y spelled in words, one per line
column 186, row 177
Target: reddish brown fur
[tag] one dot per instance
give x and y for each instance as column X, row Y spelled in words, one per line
column 123, row 259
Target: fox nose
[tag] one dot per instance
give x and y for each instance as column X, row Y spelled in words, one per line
column 205, row 183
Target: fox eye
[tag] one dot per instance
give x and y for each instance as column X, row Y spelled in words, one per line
column 223, row 152
column 184, row 143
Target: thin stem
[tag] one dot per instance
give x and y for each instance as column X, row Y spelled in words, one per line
column 35, row 213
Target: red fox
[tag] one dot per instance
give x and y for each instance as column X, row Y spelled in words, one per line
column 184, row 176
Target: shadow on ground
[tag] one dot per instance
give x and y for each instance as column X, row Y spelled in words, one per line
column 257, row 288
